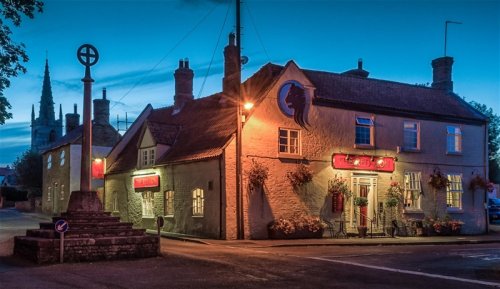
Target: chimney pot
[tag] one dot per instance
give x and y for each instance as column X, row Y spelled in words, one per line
column 360, row 63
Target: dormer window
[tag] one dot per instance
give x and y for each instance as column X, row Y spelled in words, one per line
column 147, row 157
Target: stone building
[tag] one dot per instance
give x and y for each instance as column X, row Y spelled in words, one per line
column 180, row 161
column 62, row 160
column 45, row 129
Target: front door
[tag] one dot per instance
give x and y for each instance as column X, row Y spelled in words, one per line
column 364, row 186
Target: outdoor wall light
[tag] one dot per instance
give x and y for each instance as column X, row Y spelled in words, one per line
column 248, row 105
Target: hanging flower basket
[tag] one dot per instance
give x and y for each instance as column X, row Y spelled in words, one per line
column 257, row 175
column 300, row 176
column 477, row 182
column 438, row 180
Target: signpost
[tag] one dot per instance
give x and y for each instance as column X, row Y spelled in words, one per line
column 159, row 224
column 61, row 227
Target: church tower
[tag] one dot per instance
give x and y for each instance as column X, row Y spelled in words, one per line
column 45, row 129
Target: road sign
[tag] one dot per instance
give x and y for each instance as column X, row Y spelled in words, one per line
column 61, row 226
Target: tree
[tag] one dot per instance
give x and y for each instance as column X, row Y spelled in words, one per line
column 11, row 53
column 29, row 171
column 493, row 140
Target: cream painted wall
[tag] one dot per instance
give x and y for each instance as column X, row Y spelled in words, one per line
column 333, row 131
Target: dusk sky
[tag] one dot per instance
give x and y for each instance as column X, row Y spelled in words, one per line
column 140, row 43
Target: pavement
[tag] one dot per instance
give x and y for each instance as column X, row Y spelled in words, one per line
column 492, row 237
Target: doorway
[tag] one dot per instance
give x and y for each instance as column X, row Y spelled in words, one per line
column 364, row 185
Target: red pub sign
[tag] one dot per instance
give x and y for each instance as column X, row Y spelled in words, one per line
column 146, row 182
column 367, row 163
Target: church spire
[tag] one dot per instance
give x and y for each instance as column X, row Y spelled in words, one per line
column 32, row 113
column 60, row 112
column 47, row 114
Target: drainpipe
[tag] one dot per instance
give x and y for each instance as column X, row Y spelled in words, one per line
column 221, row 201
column 485, row 168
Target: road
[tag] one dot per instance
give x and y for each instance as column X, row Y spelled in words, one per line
column 247, row 265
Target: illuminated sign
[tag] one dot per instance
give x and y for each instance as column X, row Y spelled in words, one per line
column 367, row 163
column 98, row 169
column 146, row 182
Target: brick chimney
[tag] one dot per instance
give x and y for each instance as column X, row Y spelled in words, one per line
column 101, row 109
column 441, row 73
column 72, row 120
column 183, row 83
column 231, row 79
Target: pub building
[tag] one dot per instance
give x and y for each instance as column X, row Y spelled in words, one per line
column 180, row 162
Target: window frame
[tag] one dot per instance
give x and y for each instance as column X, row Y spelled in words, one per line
column 114, row 202
column 288, row 146
column 147, row 157
column 49, row 162
column 370, row 125
column 415, row 131
column 457, row 139
column 455, row 188
column 414, row 177
column 62, row 158
column 169, row 199
column 198, row 203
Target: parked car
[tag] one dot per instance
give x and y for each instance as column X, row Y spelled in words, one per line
column 494, row 209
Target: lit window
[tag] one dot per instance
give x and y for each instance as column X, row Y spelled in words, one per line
column 114, row 203
column 148, row 204
column 364, row 131
column 49, row 194
column 453, row 139
column 49, row 161
column 411, row 135
column 454, row 191
column 62, row 192
column 169, row 203
column 62, row 157
column 198, row 202
column 289, row 141
column 412, row 190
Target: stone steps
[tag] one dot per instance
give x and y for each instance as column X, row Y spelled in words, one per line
column 89, row 233
column 91, row 236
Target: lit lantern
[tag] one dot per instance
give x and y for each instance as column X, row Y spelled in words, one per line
column 98, row 169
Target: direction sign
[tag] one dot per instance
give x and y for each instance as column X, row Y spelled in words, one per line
column 61, row 226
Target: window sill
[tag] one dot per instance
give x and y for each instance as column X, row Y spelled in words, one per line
column 148, row 217
column 454, row 153
column 169, row 216
column 198, row 217
column 413, row 211
column 289, row 156
column 454, row 210
column 409, row 150
column 364, row 146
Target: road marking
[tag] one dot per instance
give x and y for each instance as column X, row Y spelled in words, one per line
column 494, row 284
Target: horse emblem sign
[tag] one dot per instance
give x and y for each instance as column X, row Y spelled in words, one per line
column 292, row 101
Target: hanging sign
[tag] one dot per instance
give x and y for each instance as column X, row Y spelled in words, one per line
column 366, row 163
column 146, row 182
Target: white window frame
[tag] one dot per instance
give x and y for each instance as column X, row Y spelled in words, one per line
column 414, row 133
column 169, row 203
column 49, row 162
column 147, row 157
column 292, row 145
column 364, row 122
column 148, row 204
column 453, row 139
column 198, row 202
column 413, row 188
column 454, row 192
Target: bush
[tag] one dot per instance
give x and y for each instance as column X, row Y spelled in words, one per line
column 11, row 194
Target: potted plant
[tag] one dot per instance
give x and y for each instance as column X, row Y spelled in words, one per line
column 298, row 226
column 394, row 197
column 477, row 182
column 362, row 203
column 438, row 181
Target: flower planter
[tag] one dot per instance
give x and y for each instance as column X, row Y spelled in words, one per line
column 298, row 234
column 362, row 231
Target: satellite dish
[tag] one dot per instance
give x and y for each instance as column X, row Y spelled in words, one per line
column 244, row 60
